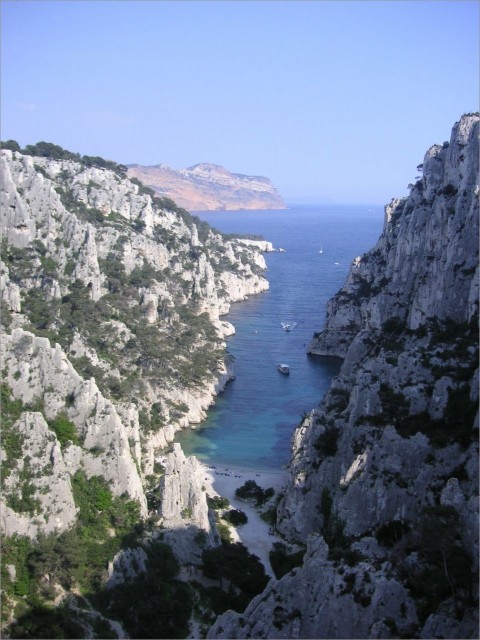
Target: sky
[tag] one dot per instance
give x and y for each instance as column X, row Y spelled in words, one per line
column 332, row 100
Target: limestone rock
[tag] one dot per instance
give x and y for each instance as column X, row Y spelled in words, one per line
column 395, row 439
column 318, row 601
column 35, row 370
column 184, row 511
column 76, row 235
column 42, row 472
column 208, row 186
column 424, row 264
column 126, row 565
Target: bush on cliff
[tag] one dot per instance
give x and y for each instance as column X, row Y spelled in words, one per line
column 231, row 563
column 251, row 491
column 236, row 517
column 282, row 562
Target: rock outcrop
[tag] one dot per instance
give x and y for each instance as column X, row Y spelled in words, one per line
column 41, row 473
column 205, row 187
column 339, row 604
column 383, row 483
column 184, row 513
column 424, row 264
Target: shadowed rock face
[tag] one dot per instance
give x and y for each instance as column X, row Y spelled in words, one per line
column 205, row 187
column 383, row 485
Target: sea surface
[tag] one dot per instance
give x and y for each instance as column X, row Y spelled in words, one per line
column 251, row 424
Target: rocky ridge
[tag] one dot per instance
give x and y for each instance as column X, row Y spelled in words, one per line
column 208, row 186
column 383, row 485
column 111, row 329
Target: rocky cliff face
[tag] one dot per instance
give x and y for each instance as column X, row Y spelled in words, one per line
column 383, row 483
column 207, row 186
column 184, row 511
column 111, row 331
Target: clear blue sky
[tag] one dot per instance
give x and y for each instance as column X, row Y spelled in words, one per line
column 335, row 100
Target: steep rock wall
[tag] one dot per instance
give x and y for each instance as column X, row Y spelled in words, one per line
column 386, row 468
column 184, row 511
column 111, row 306
column 425, row 262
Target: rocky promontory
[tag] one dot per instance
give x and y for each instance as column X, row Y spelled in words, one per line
column 383, row 476
column 207, row 186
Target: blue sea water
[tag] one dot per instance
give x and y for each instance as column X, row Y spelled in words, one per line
column 251, row 423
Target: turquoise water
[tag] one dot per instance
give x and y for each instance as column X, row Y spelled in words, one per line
column 252, row 421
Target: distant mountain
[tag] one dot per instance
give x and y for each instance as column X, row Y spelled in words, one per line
column 208, row 186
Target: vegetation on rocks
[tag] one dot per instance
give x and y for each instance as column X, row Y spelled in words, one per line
column 251, row 491
column 282, row 560
column 129, row 286
column 232, row 564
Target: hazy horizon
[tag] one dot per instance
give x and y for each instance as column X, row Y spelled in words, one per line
column 333, row 101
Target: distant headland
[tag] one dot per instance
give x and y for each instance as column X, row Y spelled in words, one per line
column 207, row 187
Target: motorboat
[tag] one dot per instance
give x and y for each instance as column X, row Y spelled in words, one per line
column 284, row 368
column 288, row 326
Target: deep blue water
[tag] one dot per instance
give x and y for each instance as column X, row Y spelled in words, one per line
column 252, row 421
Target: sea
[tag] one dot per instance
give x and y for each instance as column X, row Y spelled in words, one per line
column 251, row 423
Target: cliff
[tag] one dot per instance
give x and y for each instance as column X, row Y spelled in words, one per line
column 207, row 186
column 112, row 337
column 383, row 484
column 112, row 340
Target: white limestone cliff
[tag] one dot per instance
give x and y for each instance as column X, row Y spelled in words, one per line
column 184, row 512
column 77, row 235
column 43, row 472
column 424, row 264
column 33, row 370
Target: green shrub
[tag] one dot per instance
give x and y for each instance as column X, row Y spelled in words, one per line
column 449, row 190
column 217, row 502
column 445, row 568
column 236, row 517
column 251, row 491
column 12, row 145
column 270, row 516
column 154, row 604
column 326, row 504
column 25, row 503
column 64, row 429
column 12, row 440
column 224, row 532
column 46, row 622
column 393, row 404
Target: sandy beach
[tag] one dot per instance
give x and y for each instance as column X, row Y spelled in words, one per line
column 255, row 534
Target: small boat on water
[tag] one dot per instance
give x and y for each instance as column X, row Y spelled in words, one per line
column 284, row 368
column 288, row 326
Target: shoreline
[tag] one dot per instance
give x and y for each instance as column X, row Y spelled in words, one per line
column 256, row 534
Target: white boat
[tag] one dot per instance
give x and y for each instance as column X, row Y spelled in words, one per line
column 321, row 249
column 288, row 326
column 284, row 368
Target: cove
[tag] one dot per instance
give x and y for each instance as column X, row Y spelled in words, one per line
column 251, row 424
